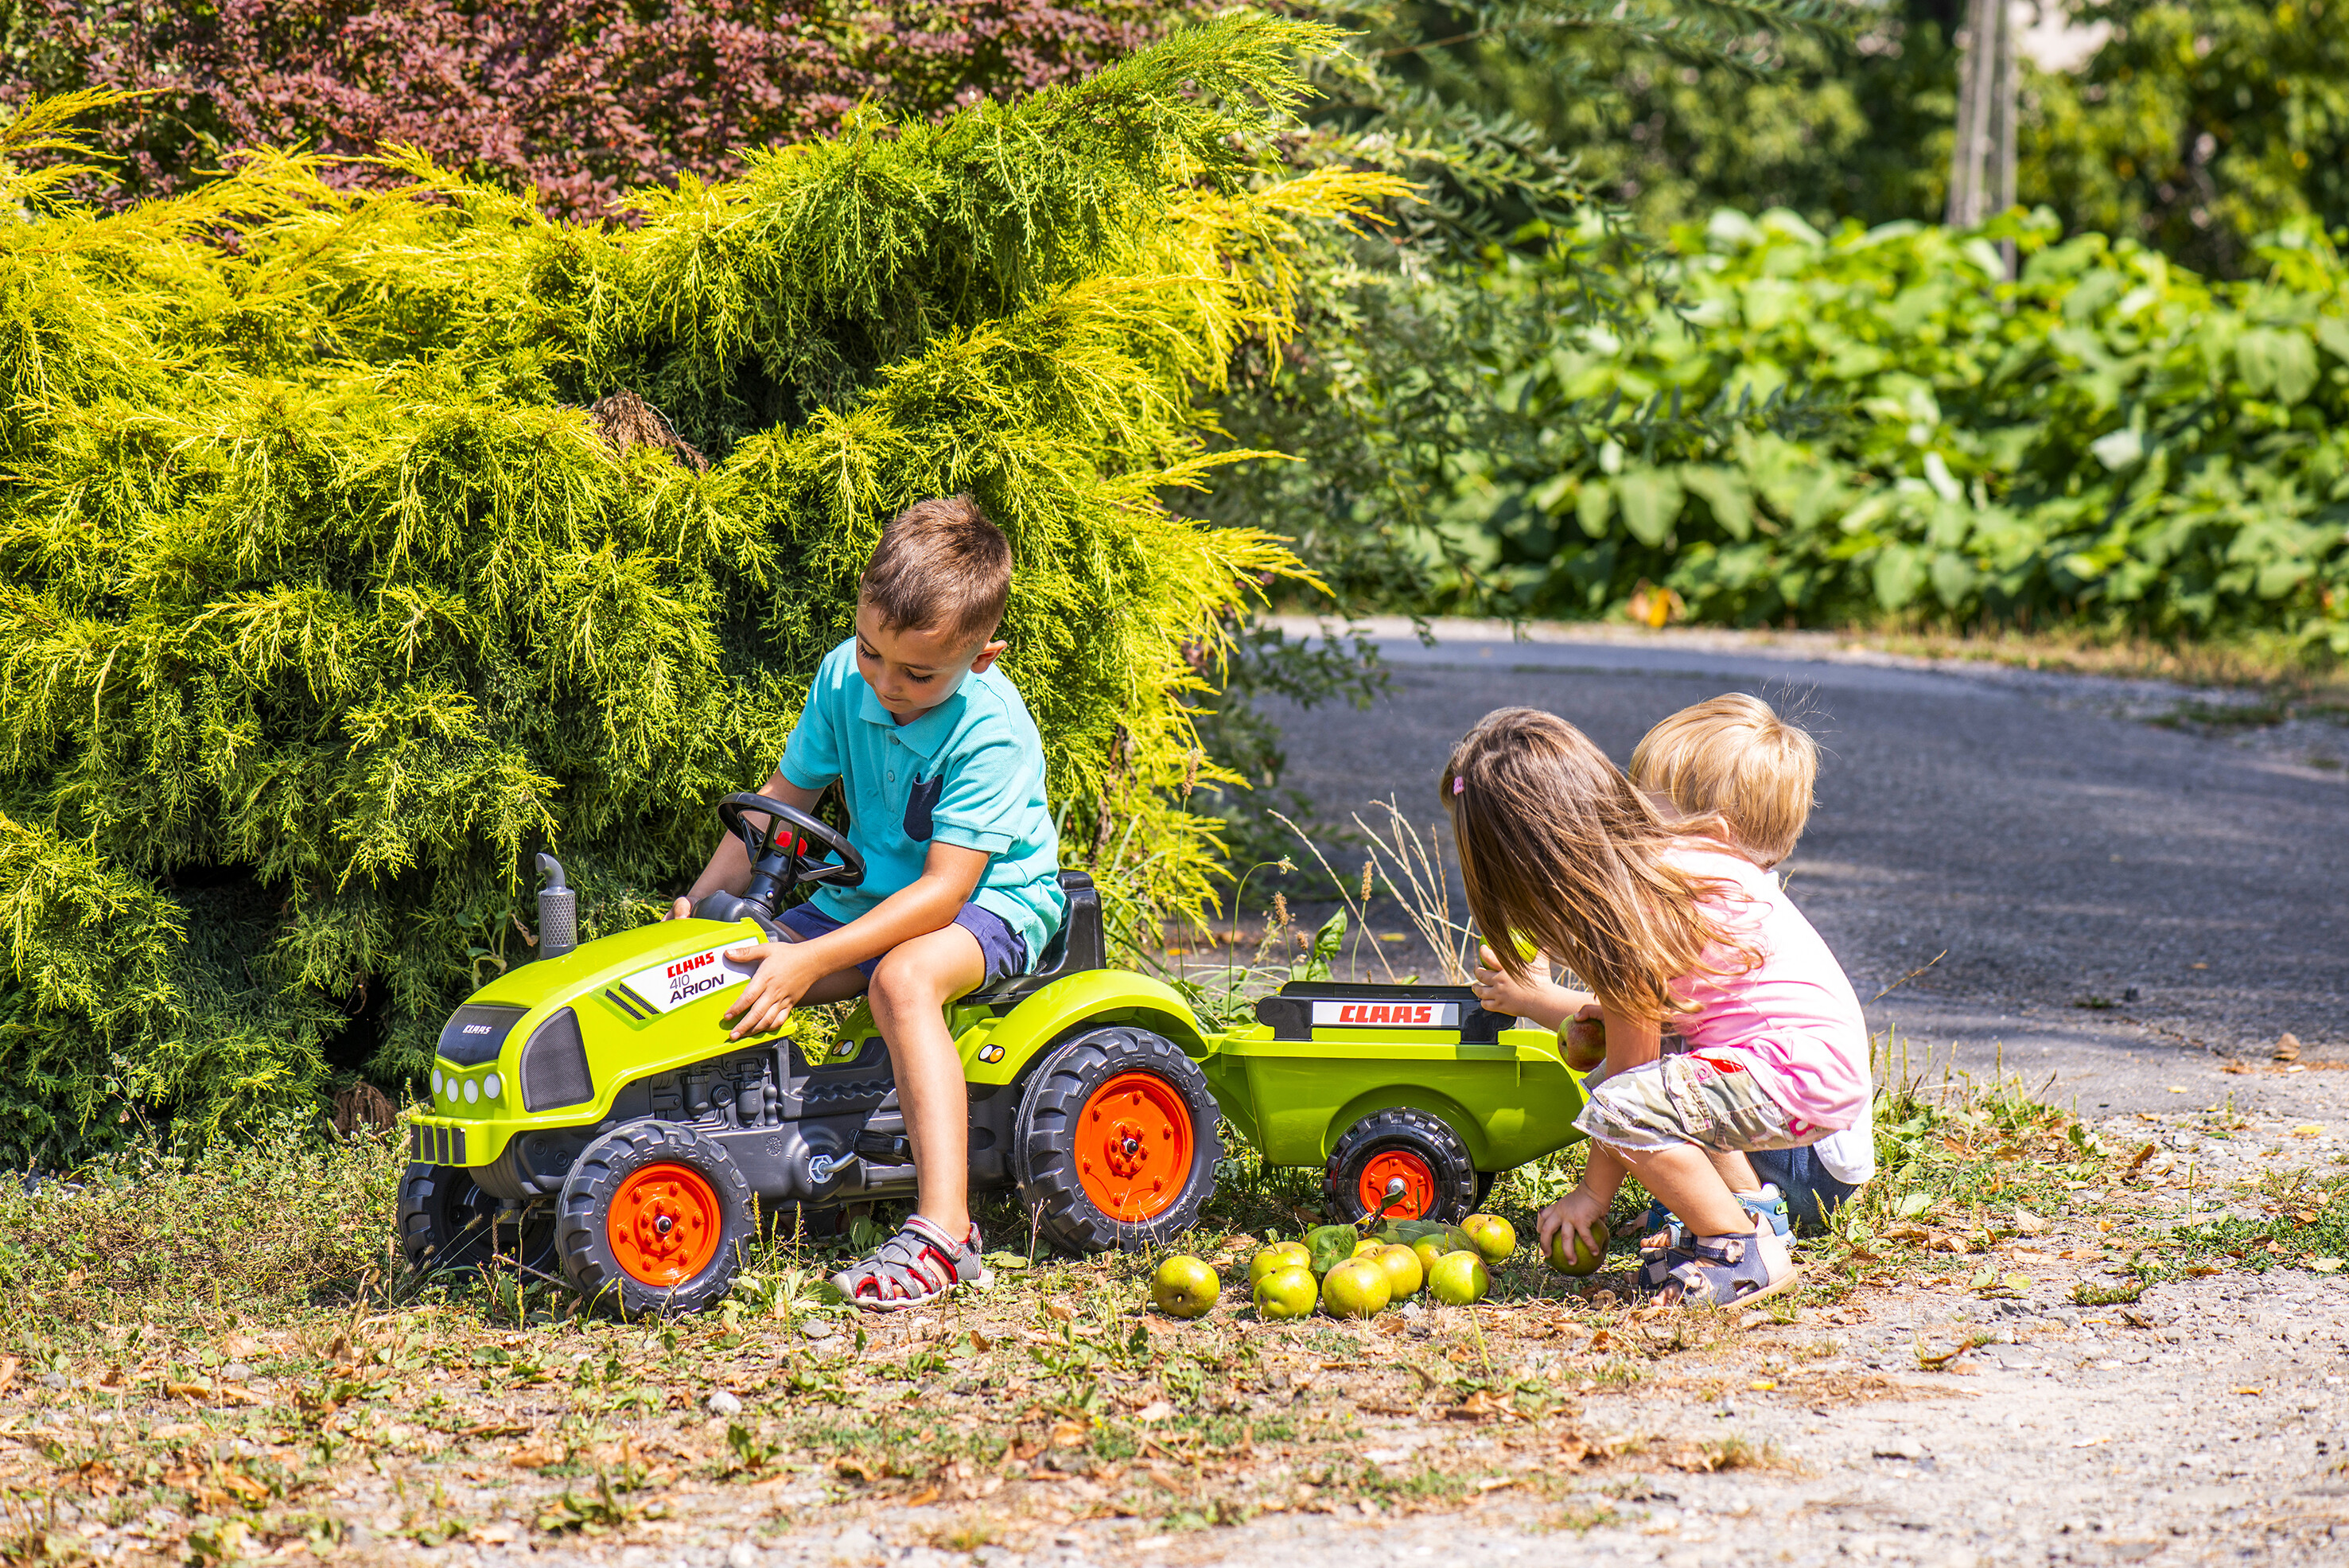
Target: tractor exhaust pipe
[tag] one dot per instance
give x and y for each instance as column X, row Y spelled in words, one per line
column 558, row 912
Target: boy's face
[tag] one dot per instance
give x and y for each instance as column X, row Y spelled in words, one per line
column 913, row 669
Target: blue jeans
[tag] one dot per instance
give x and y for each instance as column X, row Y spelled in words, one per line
column 1811, row 1194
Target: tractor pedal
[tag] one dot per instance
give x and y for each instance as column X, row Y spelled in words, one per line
column 884, row 1148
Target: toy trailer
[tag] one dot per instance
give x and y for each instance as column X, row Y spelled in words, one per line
column 590, row 1114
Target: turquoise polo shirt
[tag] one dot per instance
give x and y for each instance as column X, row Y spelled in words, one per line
column 970, row 773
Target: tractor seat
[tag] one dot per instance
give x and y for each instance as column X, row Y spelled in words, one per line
column 1079, row 945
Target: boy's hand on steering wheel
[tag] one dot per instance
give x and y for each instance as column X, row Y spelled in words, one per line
column 681, row 910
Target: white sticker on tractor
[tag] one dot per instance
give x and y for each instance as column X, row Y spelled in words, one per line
column 668, row 986
column 1386, row 1015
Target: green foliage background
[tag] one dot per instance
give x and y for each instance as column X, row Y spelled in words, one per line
column 324, row 607
column 2110, row 438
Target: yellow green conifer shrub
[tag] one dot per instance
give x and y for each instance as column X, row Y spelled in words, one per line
column 324, row 605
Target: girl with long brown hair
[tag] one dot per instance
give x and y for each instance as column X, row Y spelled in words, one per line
column 1560, row 852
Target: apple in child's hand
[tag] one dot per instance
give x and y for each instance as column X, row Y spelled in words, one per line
column 1287, row 1292
column 1568, row 1255
column 1184, row 1287
column 1495, row 1237
column 1585, row 1044
column 1279, row 1255
column 1459, row 1280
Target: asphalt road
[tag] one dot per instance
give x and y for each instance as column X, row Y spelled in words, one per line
column 2124, row 907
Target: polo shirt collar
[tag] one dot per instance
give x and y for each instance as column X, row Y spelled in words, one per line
column 924, row 735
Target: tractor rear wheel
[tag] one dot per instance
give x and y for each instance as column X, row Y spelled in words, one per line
column 1115, row 1142
column 1402, row 1151
column 653, row 1219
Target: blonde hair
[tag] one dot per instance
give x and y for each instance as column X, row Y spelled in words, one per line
column 1556, row 846
column 1733, row 758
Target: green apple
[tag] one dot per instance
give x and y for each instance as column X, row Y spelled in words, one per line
column 1355, row 1288
column 1279, row 1255
column 1569, row 1255
column 1184, row 1287
column 1286, row 1293
column 1495, row 1237
column 1459, row 1279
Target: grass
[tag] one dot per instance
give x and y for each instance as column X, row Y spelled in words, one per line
column 2262, row 663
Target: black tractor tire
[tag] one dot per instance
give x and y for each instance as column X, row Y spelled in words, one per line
column 678, row 1240
column 1406, row 1135
column 1056, row 1168
column 446, row 1221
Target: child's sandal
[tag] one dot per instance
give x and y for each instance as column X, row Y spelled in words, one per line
column 1768, row 1203
column 914, row 1267
column 1723, row 1270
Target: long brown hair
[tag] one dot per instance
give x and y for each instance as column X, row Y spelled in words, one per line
column 1556, row 846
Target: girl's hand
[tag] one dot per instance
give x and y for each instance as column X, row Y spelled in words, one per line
column 1527, row 998
column 1578, row 1213
column 783, row 979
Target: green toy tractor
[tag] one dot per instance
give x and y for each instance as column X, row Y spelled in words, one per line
column 590, row 1115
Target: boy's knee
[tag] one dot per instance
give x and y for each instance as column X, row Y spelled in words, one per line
column 901, row 981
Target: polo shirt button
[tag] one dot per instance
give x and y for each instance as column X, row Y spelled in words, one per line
column 893, row 778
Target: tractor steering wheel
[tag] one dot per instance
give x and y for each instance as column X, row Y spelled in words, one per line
column 779, row 861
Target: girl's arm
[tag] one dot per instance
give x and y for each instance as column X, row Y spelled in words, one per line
column 1547, row 1004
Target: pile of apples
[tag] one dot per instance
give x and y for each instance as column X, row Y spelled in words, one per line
column 1348, row 1274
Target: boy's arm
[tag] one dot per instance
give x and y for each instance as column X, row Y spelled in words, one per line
column 729, row 865
column 929, row 903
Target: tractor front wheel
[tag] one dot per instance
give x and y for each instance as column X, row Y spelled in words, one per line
column 653, row 1219
column 446, row 1220
column 1115, row 1144
column 1414, row 1157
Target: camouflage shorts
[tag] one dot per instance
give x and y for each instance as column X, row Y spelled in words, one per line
column 1687, row 1099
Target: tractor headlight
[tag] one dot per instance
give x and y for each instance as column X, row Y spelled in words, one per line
column 436, row 1083
column 473, row 1090
column 490, row 1088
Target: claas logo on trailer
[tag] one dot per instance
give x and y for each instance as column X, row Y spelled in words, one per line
column 1386, row 1015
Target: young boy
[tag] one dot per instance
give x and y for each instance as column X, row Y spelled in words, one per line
column 1732, row 767
column 943, row 773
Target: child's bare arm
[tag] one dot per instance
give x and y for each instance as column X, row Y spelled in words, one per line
column 730, row 863
column 951, row 874
column 1543, row 1001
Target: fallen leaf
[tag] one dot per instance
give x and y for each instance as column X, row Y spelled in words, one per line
column 2287, row 1048
column 980, row 1342
column 2247, row 1391
column 2027, row 1224
column 2087, row 1442
column 1763, row 1386
column 923, row 1498
column 1069, row 1434
column 1155, row 1411
column 8, row 1366
column 1065, row 1313
column 2310, row 1130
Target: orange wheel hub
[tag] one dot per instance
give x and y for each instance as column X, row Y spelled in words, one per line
column 1390, row 1165
column 1134, row 1147
column 664, row 1224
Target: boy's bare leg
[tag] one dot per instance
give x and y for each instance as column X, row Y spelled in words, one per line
column 909, row 993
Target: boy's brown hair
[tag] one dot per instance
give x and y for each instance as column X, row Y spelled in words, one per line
column 940, row 566
column 1733, row 758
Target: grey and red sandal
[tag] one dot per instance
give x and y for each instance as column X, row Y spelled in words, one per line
column 1723, row 1270
column 914, row 1267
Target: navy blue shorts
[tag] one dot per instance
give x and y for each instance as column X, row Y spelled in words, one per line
column 1005, row 952
column 1811, row 1192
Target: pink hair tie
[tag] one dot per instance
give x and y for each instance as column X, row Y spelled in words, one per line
column 1459, row 784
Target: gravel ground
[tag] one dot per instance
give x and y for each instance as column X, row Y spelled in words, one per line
column 2201, row 1423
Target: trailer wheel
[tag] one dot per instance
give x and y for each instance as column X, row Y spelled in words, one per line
column 1115, row 1142
column 1421, row 1151
column 653, row 1219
